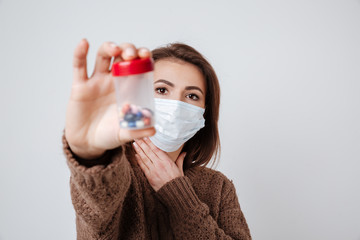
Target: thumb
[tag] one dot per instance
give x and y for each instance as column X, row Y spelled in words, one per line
column 180, row 160
column 126, row 135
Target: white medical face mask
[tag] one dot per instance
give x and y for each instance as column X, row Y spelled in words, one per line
column 176, row 122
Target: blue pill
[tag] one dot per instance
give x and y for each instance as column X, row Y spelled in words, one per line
column 138, row 115
column 131, row 124
column 129, row 117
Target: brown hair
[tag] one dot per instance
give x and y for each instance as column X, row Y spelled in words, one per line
column 205, row 144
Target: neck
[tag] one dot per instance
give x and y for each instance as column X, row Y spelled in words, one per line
column 174, row 155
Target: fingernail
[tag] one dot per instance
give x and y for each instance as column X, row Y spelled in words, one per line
column 135, row 145
column 129, row 52
column 113, row 45
column 143, row 51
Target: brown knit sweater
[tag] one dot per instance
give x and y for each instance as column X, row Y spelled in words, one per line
column 113, row 200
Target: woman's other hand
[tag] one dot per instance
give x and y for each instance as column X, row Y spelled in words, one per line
column 91, row 119
column 156, row 164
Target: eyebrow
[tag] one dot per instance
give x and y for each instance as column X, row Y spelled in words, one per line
column 194, row 88
column 166, row 82
column 172, row 85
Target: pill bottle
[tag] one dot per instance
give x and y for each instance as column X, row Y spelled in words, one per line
column 134, row 93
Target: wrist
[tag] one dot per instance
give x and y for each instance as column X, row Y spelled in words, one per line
column 86, row 153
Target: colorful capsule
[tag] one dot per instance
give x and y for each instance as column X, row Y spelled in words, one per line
column 146, row 112
column 139, row 115
column 129, row 117
column 123, row 124
column 131, row 124
column 125, row 108
column 147, row 121
column 139, row 124
column 132, row 116
column 134, row 109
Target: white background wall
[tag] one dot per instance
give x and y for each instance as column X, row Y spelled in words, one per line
column 290, row 111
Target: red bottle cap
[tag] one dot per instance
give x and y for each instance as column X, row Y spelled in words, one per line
column 136, row 66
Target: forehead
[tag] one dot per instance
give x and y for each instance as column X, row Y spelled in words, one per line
column 180, row 73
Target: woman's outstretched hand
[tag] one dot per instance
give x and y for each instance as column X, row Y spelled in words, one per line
column 91, row 119
column 156, row 164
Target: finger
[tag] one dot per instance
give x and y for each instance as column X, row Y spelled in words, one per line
column 144, row 158
column 161, row 154
column 141, row 52
column 142, row 165
column 118, row 59
column 144, row 53
column 147, row 150
column 180, row 160
column 79, row 61
column 126, row 135
column 128, row 51
column 103, row 58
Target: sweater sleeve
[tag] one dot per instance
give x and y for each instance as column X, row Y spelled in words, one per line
column 190, row 218
column 98, row 189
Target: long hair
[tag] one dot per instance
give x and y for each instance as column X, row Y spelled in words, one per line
column 205, row 144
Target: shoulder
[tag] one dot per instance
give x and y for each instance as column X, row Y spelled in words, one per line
column 206, row 174
column 203, row 178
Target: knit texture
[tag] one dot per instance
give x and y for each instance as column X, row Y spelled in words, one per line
column 113, row 200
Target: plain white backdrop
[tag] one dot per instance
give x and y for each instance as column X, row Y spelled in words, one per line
column 290, row 111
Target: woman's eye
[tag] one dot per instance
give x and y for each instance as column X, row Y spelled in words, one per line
column 161, row 90
column 193, row 97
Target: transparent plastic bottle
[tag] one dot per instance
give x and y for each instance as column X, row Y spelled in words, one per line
column 134, row 93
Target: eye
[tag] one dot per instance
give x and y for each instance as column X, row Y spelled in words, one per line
column 161, row 91
column 193, row 96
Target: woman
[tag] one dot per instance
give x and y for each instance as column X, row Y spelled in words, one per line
column 126, row 189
